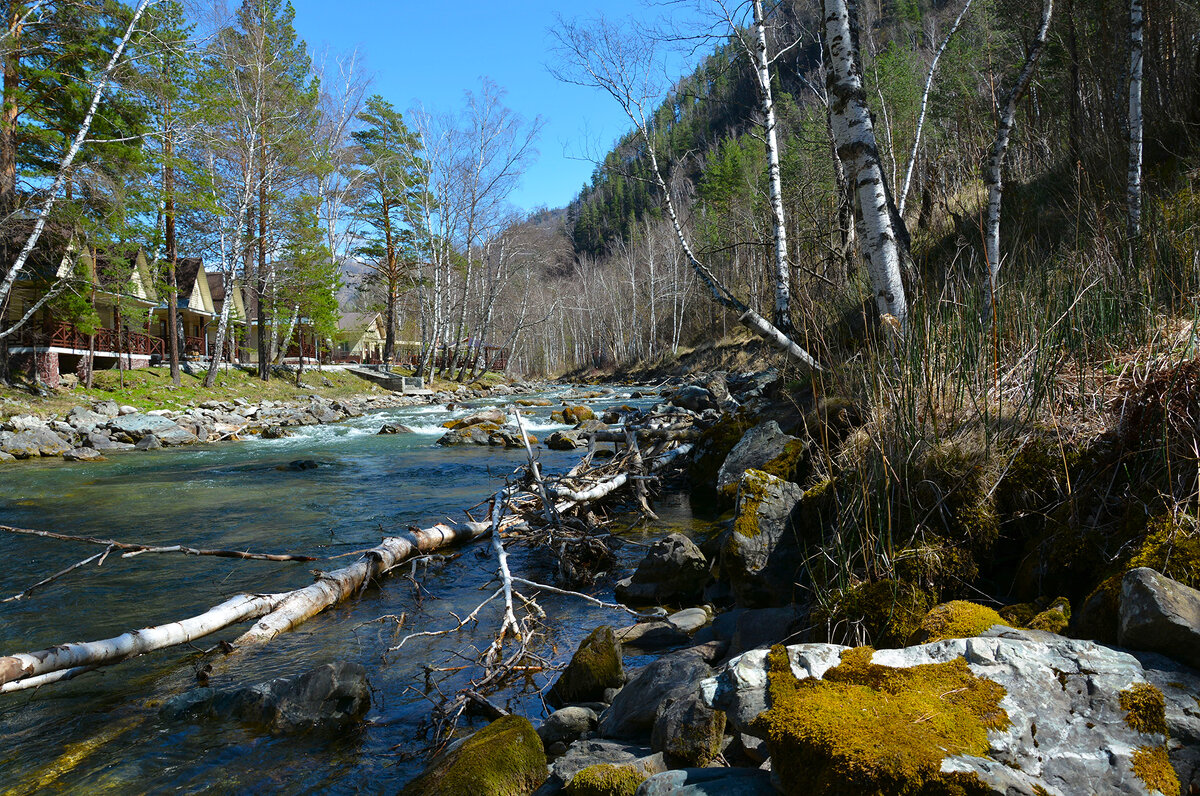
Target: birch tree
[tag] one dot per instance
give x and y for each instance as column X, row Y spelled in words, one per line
column 1134, row 189
column 994, row 176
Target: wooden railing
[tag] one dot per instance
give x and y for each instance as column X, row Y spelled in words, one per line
column 65, row 335
column 195, row 346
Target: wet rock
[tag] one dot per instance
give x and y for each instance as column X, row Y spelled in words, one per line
column 394, row 428
column 586, row 753
column 299, row 465
column 646, row 636
column 567, row 725
column 475, row 434
column 577, row 414
column 565, row 441
column 101, row 441
column 34, row 443
column 596, row 665
column 764, row 447
column 1068, row 731
column 689, row 620
column 329, row 697
column 509, row 437
column 761, row 555
column 137, row 425
column 275, row 432
column 492, row 416
column 674, row 570
column 148, row 443
column 1161, row 615
column 83, row 455
column 709, row 782
column 176, row 435
column 505, row 758
column 687, row 731
column 633, row 710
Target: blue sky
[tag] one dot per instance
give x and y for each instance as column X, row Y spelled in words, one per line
column 431, row 52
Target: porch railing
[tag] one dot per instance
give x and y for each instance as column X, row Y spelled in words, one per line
column 65, row 335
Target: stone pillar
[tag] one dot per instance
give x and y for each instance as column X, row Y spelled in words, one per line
column 46, row 363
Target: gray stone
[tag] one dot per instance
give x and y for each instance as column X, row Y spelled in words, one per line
column 126, row 409
column 148, row 443
column 175, row 435
column 85, row 420
column 34, row 443
column 1160, row 615
column 275, row 432
column 107, row 408
column 761, row 555
column 101, row 441
column 757, row 447
column 633, row 710
column 762, row 627
column 137, row 425
column 329, row 697
column 564, row 441
column 693, row 398
column 687, row 731
column 689, row 620
column 652, row 636
column 674, row 570
column 7, row 457
column 83, row 455
column 476, row 434
column 595, row 666
column 26, row 423
column 394, row 428
column 1062, row 696
column 585, row 753
column 567, row 725
column 709, row 782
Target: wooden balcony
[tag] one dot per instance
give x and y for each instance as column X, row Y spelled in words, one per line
column 65, row 335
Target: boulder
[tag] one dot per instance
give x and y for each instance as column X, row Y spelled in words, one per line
column 493, row 416
column 176, row 435
column 646, row 636
column 689, row 620
column 34, row 443
column 330, row 697
column 394, row 428
column 709, row 782
column 7, row 457
column 1160, row 615
column 84, row 420
column 475, row 434
column 674, row 570
column 565, row 441
column 148, row 443
column 687, row 731
column 761, row 555
column 584, row 754
column 567, row 725
column 275, row 432
column 83, row 455
column 596, row 665
column 693, row 398
column 1080, row 717
column 634, row 709
column 509, row 437
column 764, row 447
column 577, row 414
column 137, row 425
column 505, row 758
column 107, row 408
column 26, row 423
column 101, row 441
column 761, row 627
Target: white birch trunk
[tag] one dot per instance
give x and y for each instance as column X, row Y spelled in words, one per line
column 995, row 167
column 1134, row 191
column 854, row 136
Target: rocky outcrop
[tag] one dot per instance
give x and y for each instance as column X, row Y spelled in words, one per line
column 35, row 442
column 1079, row 717
column 329, row 697
column 493, row 416
column 1160, row 615
column 761, row 555
column 505, row 758
column 693, row 398
column 597, row 665
column 673, row 571
column 687, row 731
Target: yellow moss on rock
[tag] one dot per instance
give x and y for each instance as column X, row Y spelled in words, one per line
column 505, row 758
column 605, row 779
column 1172, row 547
column 957, row 619
column 866, row 728
column 1145, row 708
column 1054, row 619
column 789, row 464
column 1153, row 767
column 751, row 492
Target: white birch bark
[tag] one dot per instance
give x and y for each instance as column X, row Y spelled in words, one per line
column 64, row 167
column 854, row 136
column 912, row 158
column 995, row 167
column 1134, row 190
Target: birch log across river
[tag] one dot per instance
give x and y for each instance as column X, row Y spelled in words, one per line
column 232, row 496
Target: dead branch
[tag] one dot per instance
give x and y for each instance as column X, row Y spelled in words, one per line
column 133, row 549
column 77, row 565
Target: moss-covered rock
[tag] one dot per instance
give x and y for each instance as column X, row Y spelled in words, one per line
column 505, row 758
column 605, row 779
column 761, row 556
column 687, row 731
column 596, row 665
column 1054, row 619
column 866, row 728
column 957, row 619
column 887, row 612
column 577, row 414
column 713, row 447
column 1146, row 712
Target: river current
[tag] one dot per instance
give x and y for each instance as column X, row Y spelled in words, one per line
column 102, row 732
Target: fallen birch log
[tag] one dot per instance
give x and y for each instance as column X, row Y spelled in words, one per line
column 24, row 665
column 133, row 549
column 655, row 434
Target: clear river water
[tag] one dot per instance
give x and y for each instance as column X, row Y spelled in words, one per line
column 102, row 731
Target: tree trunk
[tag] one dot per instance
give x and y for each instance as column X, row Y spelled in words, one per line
column 782, row 313
column 10, row 112
column 264, row 360
column 855, row 138
column 1134, row 190
column 172, row 255
column 995, row 167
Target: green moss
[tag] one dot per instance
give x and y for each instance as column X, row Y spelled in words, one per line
column 1054, row 619
column 577, row 414
column 1153, row 767
column 505, row 758
column 713, row 446
column 888, row 611
column 596, row 665
column 957, row 619
column 1019, row 615
column 605, row 779
column 751, row 492
column 1172, row 547
column 866, row 728
column 791, row 463
column 1145, row 708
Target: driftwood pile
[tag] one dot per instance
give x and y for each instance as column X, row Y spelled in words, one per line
column 559, row 513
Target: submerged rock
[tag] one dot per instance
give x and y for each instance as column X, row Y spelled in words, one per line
column 1160, row 615
column 505, row 758
column 333, row 696
column 1075, row 717
column 394, row 428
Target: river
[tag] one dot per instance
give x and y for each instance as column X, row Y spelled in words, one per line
column 102, row 730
